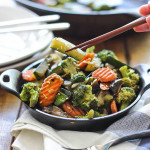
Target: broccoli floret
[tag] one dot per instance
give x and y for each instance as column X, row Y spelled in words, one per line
column 104, row 53
column 79, row 77
column 83, row 97
column 125, row 71
column 130, row 78
column 91, row 114
column 125, row 97
column 69, row 66
column 30, row 92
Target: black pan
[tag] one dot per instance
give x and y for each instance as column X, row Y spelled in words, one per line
column 11, row 81
column 90, row 24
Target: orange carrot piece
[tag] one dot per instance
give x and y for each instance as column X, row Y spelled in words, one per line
column 49, row 89
column 28, row 75
column 71, row 110
column 89, row 55
column 113, row 107
column 104, row 75
column 84, row 63
column 104, row 86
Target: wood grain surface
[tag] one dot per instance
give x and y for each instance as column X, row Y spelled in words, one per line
column 130, row 48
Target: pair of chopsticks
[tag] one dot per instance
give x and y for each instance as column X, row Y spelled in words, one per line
column 110, row 34
column 5, row 25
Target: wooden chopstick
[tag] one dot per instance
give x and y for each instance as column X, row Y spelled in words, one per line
column 110, row 34
column 47, row 18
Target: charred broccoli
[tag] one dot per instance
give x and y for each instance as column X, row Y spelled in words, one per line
column 30, row 92
column 104, row 53
column 130, row 78
column 125, row 97
column 79, row 77
column 69, row 66
column 83, row 97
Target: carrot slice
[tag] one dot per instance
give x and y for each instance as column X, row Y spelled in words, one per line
column 104, row 75
column 71, row 110
column 89, row 55
column 113, row 107
column 84, row 63
column 49, row 89
column 28, row 75
column 104, row 86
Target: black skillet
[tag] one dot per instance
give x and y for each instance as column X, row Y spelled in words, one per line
column 12, row 82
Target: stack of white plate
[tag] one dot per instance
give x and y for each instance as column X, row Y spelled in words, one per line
column 19, row 49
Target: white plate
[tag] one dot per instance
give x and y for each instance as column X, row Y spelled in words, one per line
column 21, row 65
column 20, row 45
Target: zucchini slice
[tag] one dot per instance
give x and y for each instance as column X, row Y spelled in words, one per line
column 62, row 45
column 40, row 71
column 116, row 63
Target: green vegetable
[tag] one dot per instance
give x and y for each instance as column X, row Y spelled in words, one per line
column 93, row 65
column 125, row 97
column 53, row 59
column 66, row 92
column 64, row 1
column 110, row 57
column 90, row 49
column 41, row 70
column 116, row 63
column 91, row 114
column 104, row 98
column 30, row 92
column 69, row 66
column 130, row 78
column 89, row 80
column 125, row 71
column 58, row 70
column 62, row 45
column 104, row 54
column 83, row 97
column 102, row 7
column 60, row 98
column 79, row 77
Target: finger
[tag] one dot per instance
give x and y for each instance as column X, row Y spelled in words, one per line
column 142, row 28
column 145, row 9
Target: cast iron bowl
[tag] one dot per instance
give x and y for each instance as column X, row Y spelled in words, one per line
column 92, row 23
column 12, row 82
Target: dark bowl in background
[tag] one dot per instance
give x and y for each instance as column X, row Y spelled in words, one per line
column 93, row 23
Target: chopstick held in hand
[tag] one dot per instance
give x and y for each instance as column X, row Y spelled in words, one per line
column 110, row 34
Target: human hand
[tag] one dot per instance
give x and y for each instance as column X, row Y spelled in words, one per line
column 144, row 10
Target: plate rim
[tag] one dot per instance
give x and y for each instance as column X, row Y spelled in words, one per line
column 42, row 7
column 32, row 14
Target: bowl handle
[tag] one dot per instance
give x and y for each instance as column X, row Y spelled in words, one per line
column 10, row 81
column 144, row 71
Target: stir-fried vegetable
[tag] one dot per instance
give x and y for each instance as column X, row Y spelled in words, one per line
column 84, row 4
column 125, row 97
column 49, row 89
column 30, row 93
column 80, row 85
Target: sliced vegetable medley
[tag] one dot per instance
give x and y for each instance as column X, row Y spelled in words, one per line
column 80, row 84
